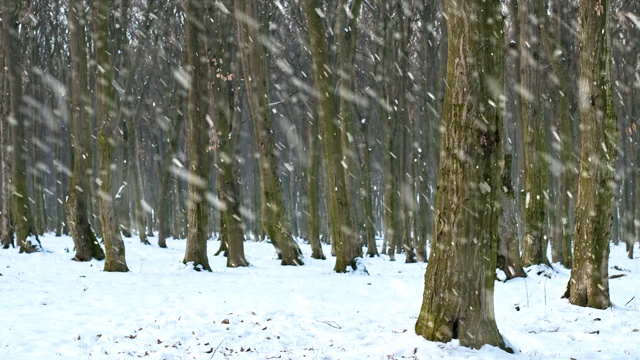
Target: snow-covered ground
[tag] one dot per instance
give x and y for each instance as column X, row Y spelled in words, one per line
column 54, row 308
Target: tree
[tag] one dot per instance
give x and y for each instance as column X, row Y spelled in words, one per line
column 534, row 248
column 275, row 220
column 84, row 239
column 346, row 31
column 341, row 222
column 174, row 123
column 558, row 43
column 227, row 121
column 589, row 283
column 104, row 90
column 197, row 137
column 6, row 228
column 313, row 187
column 459, row 281
column 22, row 219
column 509, row 260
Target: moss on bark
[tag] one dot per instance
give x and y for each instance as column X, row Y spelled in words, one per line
column 459, row 281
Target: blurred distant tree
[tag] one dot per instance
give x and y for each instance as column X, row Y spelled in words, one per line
column 589, row 283
column 534, row 248
column 509, row 260
column 313, row 189
column 625, row 28
column 558, row 40
column 172, row 112
column 459, row 281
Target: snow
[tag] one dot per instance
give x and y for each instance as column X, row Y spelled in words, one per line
column 54, row 308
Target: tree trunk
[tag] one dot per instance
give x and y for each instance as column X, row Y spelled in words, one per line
column 313, row 185
column 366, row 189
column 534, row 249
column 165, row 190
column 84, row 239
column 561, row 239
column 339, row 210
column 589, row 283
column 224, row 80
column 459, row 282
column 346, row 29
column 139, row 188
column 21, row 214
column 197, row 138
column 509, row 247
column 275, row 220
column 114, row 245
column 6, row 227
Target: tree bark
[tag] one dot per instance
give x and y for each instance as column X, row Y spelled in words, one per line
column 561, row 239
column 339, row 210
column 224, row 80
column 114, row 245
column 6, row 227
column 275, row 220
column 20, row 211
column 589, row 283
column 84, row 239
column 197, row 138
column 346, row 30
column 534, row 250
column 459, row 281
column 509, row 260
column 313, row 185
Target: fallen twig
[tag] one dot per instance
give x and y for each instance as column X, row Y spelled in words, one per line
column 629, row 301
column 216, row 349
column 617, row 276
column 331, row 323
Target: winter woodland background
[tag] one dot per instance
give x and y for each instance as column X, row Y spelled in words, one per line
column 493, row 139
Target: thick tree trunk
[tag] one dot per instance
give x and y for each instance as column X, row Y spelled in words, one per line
column 114, row 245
column 197, row 138
column 458, row 293
column 589, row 283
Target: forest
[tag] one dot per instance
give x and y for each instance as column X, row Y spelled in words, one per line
column 468, row 137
